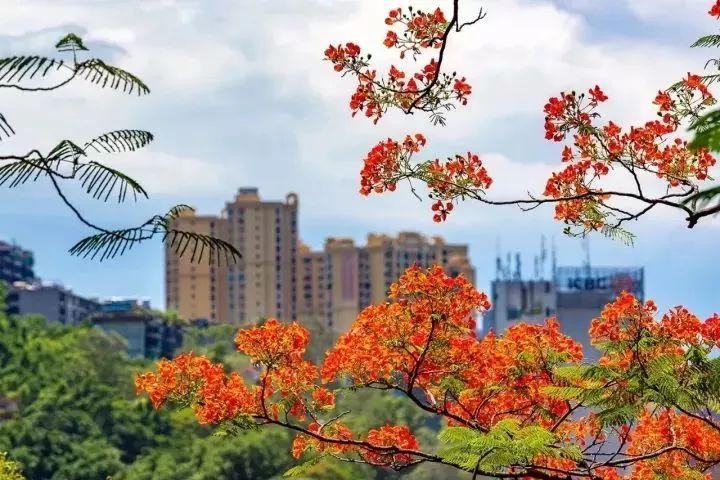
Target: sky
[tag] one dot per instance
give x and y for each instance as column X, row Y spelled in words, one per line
column 241, row 97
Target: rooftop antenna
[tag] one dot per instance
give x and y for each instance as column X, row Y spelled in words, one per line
column 586, row 251
column 554, row 257
column 543, row 256
column 508, row 266
column 518, row 267
column 536, row 260
column 498, row 260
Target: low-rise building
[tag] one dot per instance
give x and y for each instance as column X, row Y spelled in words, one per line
column 147, row 332
column 58, row 304
column 575, row 295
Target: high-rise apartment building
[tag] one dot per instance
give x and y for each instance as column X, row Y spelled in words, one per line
column 16, row 264
column 264, row 282
column 312, row 279
column 337, row 283
column 261, row 284
column 197, row 290
column 279, row 277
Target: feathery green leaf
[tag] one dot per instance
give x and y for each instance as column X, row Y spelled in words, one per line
column 198, row 246
column 17, row 68
column 707, row 41
column 101, row 181
column 70, row 42
column 707, row 131
column 5, row 129
column 20, row 172
column 100, row 73
column 110, row 244
column 120, row 141
column 703, row 198
column 617, row 233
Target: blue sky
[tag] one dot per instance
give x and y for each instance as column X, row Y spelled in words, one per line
column 241, row 97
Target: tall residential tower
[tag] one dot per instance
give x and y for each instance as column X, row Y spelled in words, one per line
column 261, row 284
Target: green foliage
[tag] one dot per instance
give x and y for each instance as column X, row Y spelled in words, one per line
column 703, row 198
column 507, row 443
column 78, row 417
column 5, row 129
column 254, row 455
column 110, row 244
column 19, row 68
column 70, row 162
column 20, row 172
column 620, row 234
column 707, row 131
column 120, row 141
column 215, row 342
column 100, row 73
column 707, row 41
column 302, row 468
column 70, row 42
column 99, row 181
column 9, row 470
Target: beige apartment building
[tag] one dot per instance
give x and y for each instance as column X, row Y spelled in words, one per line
column 337, row 283
column 264, row 282
column 312, row 283
column 196, row 289
column 279, row 277
column 261, row 284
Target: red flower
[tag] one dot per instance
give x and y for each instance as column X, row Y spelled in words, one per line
column 390, row 39
column 664, row 100
column 715, row 10
column 597, row 95
column 391, row 436
column 462, row 90
column 695, row 82
column 323, row 398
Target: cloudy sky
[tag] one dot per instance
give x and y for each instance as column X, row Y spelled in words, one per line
column 241, row 97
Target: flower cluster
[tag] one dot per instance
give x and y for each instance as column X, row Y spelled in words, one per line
column 696, row 440
column 380, row 446
column 426, row 308
column 389, row 162
column 398, row 436
column 423, row 343
column 427, row 90
column 425, row 339
column 342, row 56
column 627, row 319
column 422, row 30
column 273, row 344
column 455, row 178
column 599, row 150
column 334, row 438
column 386, row 163
column 192, row 379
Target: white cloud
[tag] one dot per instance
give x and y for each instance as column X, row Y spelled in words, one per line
column 163, row 174
column 672, row 11
column 291, row 128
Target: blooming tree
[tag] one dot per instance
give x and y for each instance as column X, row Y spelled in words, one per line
column 662, row 169
column 521, row 405
column 524, row 405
